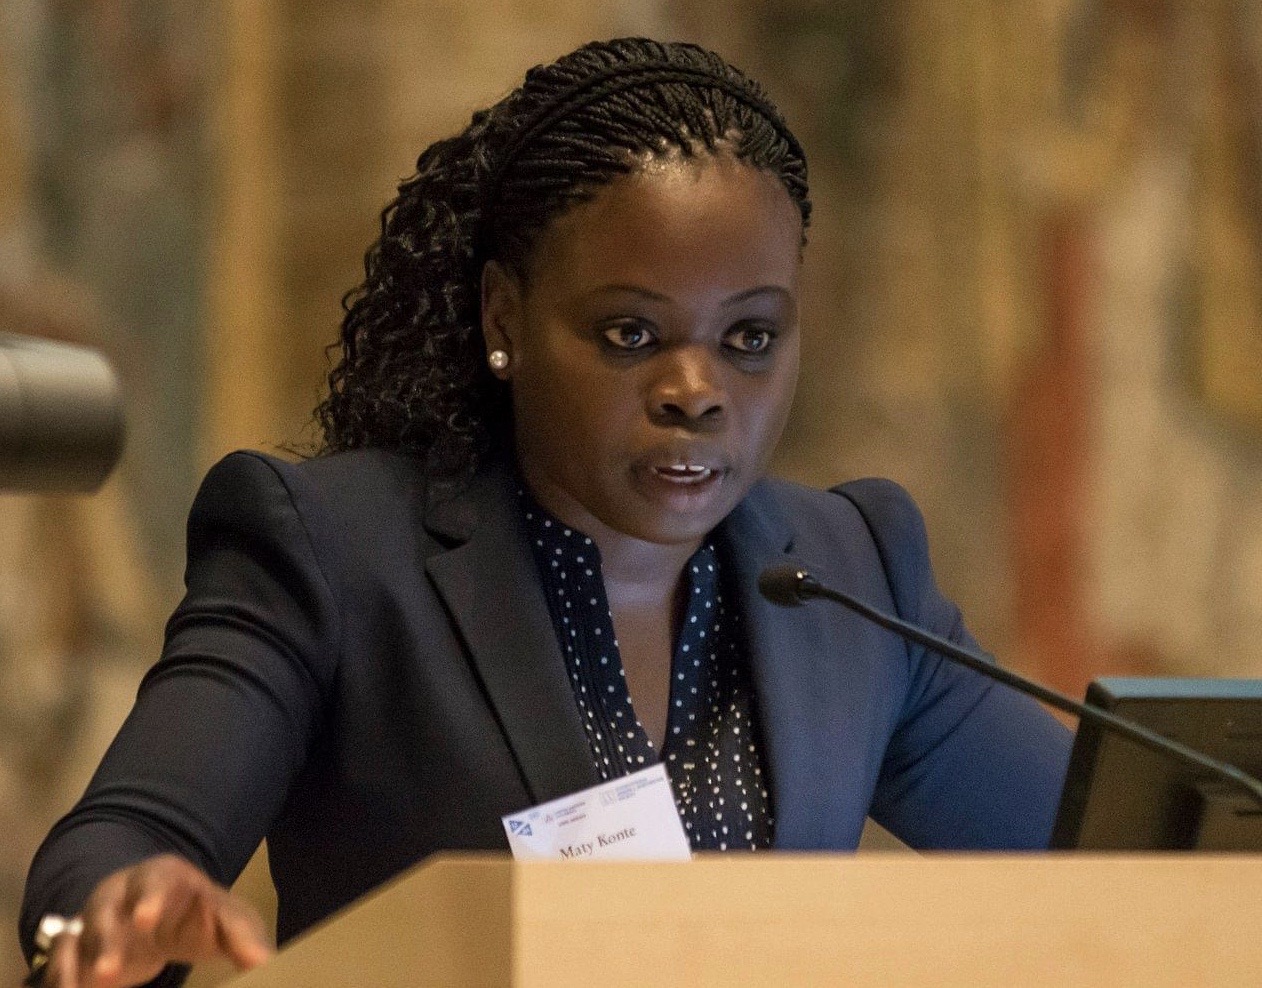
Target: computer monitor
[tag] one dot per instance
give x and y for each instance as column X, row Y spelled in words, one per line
column 1121, row 796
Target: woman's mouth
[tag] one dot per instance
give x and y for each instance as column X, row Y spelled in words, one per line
column 685, row 474
column 688, row 484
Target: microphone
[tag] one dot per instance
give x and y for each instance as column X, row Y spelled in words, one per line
column 61, row 416
column 792, row 586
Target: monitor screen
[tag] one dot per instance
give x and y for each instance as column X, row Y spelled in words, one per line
column 1121, row 796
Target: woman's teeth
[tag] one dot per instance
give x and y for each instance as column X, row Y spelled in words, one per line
column 685, row 473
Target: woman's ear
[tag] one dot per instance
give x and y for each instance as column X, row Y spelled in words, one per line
column 502, row 316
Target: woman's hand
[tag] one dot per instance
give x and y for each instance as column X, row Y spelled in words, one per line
column 159, row 912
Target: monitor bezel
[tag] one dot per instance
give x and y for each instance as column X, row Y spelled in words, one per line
column 1182, row 792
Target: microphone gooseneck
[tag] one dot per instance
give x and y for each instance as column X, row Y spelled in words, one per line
column 792, row 586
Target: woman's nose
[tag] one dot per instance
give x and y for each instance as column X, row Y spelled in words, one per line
column 689, row 388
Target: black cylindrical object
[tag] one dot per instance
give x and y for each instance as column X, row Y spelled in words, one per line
column 61, row 416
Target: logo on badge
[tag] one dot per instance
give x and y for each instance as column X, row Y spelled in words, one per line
column 519, row 828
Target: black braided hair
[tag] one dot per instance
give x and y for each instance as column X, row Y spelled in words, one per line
column 413, row 374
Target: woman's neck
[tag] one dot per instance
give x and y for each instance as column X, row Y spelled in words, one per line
column 639, row 573
column 636, row 572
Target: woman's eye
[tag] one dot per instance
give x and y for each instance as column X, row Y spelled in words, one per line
column 629, row 336
column 750, row 339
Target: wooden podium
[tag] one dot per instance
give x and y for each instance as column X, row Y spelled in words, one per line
column 781, row 920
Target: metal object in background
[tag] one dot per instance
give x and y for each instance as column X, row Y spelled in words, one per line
column 61, row 416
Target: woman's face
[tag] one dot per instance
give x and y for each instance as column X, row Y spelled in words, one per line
column 654, row 349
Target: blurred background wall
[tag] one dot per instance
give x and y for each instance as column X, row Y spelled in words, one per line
column 1034, row 297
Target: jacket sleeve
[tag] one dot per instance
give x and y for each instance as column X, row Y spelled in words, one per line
column 222, row 723
column 972, row 763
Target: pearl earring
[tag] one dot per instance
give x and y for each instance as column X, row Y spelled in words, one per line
column 498, row 360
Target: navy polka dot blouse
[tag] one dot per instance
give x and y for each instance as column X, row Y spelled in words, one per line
column 711, row 750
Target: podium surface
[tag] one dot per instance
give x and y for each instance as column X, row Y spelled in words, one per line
column 778, row 919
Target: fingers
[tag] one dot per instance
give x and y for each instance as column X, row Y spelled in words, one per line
column 159, row 912
column 63, row 963
column 101, row 945
column 115, row 950
column 186, row 929
column 163, row 901
column 240, row 934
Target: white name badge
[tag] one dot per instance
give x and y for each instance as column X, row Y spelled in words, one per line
column 631, row 818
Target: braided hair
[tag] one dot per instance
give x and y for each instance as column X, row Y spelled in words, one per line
column 412, row 374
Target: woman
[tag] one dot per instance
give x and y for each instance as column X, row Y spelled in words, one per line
column 528, row 559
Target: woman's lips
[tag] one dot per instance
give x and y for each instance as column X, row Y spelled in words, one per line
column 686, row 474
column 688, row 483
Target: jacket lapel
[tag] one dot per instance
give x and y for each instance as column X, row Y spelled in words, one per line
column 489, row 582
column 785, row 644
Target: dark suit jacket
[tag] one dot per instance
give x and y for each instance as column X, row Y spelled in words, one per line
column 365, row 672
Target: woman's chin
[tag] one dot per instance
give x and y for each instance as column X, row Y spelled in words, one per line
column 674, row 509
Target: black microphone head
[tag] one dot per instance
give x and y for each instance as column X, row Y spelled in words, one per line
column 783, row 584
column 61, row 416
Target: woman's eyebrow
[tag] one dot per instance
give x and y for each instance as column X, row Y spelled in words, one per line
column 760, row 290
column 630, row 289
column 658, row 297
